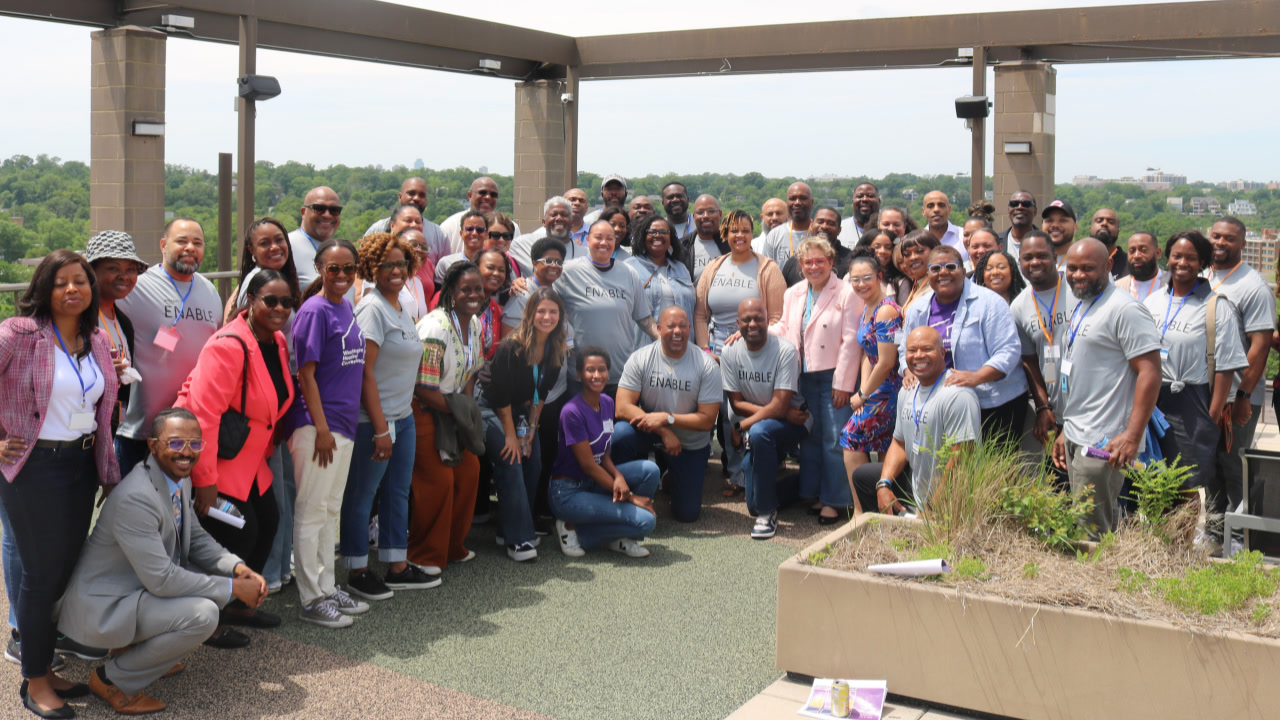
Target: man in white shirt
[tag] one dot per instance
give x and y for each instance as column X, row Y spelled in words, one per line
column 1145, row 275
column 937, row 217
column 482, row 197
column 772, row 214
column 866, row 205
column 321, row 216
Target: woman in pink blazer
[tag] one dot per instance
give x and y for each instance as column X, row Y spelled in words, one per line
column 820, row 317
column 214, row 387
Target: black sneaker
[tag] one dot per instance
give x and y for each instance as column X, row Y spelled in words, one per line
column 67, row 646
column 368, row 586
column 13, row 654
column 411, row 578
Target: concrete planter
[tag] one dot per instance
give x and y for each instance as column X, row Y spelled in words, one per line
column 1013, row 659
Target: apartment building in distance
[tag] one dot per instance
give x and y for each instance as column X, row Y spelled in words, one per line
column 1260, row 252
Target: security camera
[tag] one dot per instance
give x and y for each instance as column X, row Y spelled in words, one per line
column 566, row 98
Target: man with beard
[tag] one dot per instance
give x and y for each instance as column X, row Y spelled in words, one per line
column 640, row 208
column 772, row 214
column 414, row 192
column 1105, row 227
column 704, row 244
column 557, row 219
column 577, row 225
column 613, row 191
column 1022, row 213
column 937, row 217
column 321, row 215
column 827, row 225
column 1109, row 381
column 1233, row 279
column 675, row 202
column 1145, row 275
column 482, row 197
column 781, row 242
column 174, row 311
column 1060, row 224
column 866, row 204
column 1040, row 312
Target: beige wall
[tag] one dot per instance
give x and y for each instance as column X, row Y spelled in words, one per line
column 539, row 150
column 1024, row 112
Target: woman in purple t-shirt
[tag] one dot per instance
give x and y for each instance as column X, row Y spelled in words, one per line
column 329, row 348
column 596, row 503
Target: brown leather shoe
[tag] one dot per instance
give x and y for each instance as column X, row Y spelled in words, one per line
column 139, row 704
column 177, row 668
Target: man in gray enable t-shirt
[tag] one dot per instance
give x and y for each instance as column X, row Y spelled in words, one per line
column 762, row 377
column 668, row 400
column 932, row 415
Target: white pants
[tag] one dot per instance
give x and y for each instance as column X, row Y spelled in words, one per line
column 316, row 511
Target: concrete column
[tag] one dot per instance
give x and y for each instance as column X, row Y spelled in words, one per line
column 540, row 150
column 1025, row 101
column 126, row 173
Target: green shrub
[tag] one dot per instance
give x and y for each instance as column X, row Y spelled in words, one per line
column 1221, row 586
column 1052, row 517
column 1157, row 488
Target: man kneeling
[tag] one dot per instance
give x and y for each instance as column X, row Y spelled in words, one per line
column 931, row 416
column 150, row 579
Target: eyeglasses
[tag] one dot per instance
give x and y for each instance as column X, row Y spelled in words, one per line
column 949, row 267
column 179, row 444
column 335, row 270
column 864, row 280
column 273, row 301
column 317, row 208
column 1022, row 203
column 390, row 265
column 657, row 233
column 420, row 248
column 816, row 262
column 555, row 262
column 493, row 235
column 473, row 230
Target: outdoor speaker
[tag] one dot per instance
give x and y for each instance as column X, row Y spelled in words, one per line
column 972, row 106
column 258, row 87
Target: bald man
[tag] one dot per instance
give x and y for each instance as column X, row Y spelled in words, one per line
column 321, row 215
column 413, row 191
column 865, row 206
column 937, row 217
column 1110, row 378
column 703, row 244
column 781, row 242
column 482, row 197
column 1105, row 227
column 640, row 208
column 931, row 415
column 772, row 214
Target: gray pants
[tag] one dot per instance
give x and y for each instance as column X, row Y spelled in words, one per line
column 169, row 629
column 1228, row 490
column 1105, row 481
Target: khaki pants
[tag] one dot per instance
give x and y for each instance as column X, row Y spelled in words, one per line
column 316, row 512
column 1105, row 481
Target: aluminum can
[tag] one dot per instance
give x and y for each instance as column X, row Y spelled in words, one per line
column 840, row 699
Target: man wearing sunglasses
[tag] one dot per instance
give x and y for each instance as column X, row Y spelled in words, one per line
column 482, row 197
column 150, row 579
column 321, row 216
column 1022, row 214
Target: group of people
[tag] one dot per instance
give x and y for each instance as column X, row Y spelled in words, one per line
column 357, row 395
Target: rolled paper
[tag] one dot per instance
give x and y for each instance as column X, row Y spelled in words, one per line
column 913, row 568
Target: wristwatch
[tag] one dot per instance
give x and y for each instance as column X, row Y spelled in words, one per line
column 671, row 419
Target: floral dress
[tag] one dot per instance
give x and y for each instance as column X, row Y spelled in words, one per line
column 870, row 429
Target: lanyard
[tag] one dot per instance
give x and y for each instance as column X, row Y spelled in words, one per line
column 1169, row 320
column 791, row 237
column 468, row 350
column 1071, row 338
column 536, row 375
column 917, row 287
column 84, row 391
column 1060, row 262
column 917, row 415
column 183, row 305
column 1223, row 280
column 314, row 245
column 119, row 333
column 808, row 312
column 1151, row 285
column 579, row 237
column 1053, row 309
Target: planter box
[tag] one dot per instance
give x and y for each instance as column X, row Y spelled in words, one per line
column 1013, row 659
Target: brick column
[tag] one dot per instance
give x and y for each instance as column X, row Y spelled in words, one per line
column 1026, row 94
column 539, row 150
column 126, row 173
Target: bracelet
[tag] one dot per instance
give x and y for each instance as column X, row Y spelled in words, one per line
column 385, row 434
column 1042, row 408
column 885, row 483
column 1241, row 394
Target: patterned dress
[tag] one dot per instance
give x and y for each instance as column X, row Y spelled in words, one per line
column 870, row 429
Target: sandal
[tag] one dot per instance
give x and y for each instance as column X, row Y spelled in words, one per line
column 731, row 491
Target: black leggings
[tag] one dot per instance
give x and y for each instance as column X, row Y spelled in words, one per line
column 864, row 484
column 1006, row 420
column 251, row 543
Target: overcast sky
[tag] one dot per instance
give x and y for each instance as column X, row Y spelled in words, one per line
column 1212, row 120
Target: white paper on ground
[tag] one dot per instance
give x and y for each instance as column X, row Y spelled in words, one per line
column 866, row 699
column 914, row 568
column 231, row 520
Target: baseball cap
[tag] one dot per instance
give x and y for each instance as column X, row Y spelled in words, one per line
column 614, row 177
column 112, row 245
column 1059, row 205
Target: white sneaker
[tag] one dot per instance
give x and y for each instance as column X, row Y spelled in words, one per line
column 629, row 547
column 766, row 526
column 522, row 552
column 428, row 569
column 569, row 544
column 324, row 612
column 471, row 555
column 346, row 604
column 502, row 542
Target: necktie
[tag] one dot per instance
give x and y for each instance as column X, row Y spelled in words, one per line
column 177, row 509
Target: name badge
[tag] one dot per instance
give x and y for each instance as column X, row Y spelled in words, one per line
column 1053, row 353
column 391, row 428
column 607, row 425
column 1066, row 367
column 1050, row 368
column 1164, row 353
column 81, row 422
column 167, row 339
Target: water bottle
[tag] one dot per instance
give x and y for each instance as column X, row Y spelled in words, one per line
column 227, row 507
column 523, row 433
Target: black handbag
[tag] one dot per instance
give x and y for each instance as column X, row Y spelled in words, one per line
column 233, row 428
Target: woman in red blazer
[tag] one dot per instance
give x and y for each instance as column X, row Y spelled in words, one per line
column 213, row 388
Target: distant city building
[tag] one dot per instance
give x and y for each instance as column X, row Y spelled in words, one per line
column 1205, row 206
column 418, row 164
column 1246, row 185
column 484, row 169
column 1174, row 202
column 1151, row 181
column 1087, row 181
column 1240, row 206
column 1260, row 252
column 910, row 194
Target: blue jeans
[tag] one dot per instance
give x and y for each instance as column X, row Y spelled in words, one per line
column 822, row 472
column 768, row 439
column 364, row 477
column 688, row 469
column 516, row 483
column 593, row 513
column 130, row 452
column 12, row 568
column 279, row 568
column 735, row 465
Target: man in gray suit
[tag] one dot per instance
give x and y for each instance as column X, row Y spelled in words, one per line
column 150, row 579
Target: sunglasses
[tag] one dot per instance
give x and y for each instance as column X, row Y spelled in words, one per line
column 949, row 267
column 178, row 444
column 317, row 208
column 487, row 193
column 335, row 270
column 288, row 302
column 390, row 265
column 556, row 262
column 1022, row 203
column 473, row 230
column 506, row 237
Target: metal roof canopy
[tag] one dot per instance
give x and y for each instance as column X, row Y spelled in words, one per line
column 396, row 34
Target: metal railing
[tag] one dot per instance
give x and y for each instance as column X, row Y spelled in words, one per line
column 222, row 277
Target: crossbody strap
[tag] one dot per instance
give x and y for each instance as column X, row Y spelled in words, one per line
column 244, row 380
column 1211, row 328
